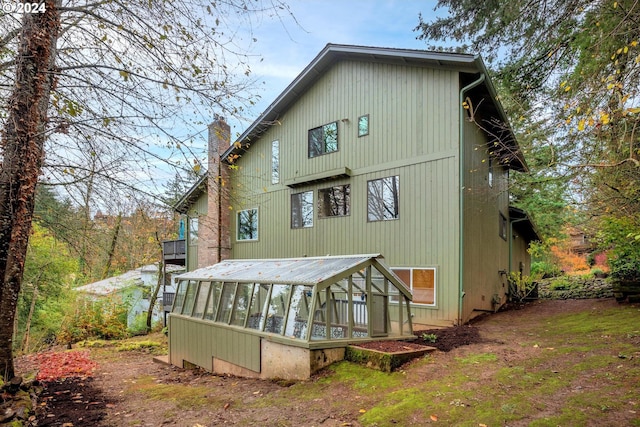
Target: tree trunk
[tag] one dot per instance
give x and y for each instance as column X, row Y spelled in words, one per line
column 154, row 295
column 27, row 328
column 22, row 156
column 112, row 248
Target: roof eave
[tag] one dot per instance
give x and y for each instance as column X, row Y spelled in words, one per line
column 331, row 54
column 518, row 163
column 198, row 188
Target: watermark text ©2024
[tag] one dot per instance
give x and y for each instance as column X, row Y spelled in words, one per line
column 8, row 6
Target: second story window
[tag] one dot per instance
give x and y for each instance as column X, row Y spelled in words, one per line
column 323, row 139
column 490, row 176
column 248, row 224
column 275, row 162
column 334, row 201
column 363, row 125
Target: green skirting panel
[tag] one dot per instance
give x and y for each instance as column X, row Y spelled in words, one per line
column 198, row 342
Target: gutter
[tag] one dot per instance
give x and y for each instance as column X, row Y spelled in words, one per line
column 461, row 173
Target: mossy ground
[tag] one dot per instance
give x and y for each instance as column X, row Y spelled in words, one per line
column 567, row 363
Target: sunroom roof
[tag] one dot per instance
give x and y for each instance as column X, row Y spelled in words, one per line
column 298, row 271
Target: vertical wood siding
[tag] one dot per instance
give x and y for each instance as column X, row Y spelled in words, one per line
column 413, row 133
column 198, row 210
column 485, row 252
column 198, row 342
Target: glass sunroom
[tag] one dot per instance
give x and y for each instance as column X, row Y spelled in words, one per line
column 284, row 318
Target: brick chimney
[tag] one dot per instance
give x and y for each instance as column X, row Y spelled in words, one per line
column 215, row 234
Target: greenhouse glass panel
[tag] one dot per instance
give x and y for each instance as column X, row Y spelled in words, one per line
column 298, row 317
column 319, row 327
column 201, row 299
column 277, row 309
column 379, row 315
column 243, row 298
column 226, row 302
column 258, row 308
column 179, row 300
column 378, row 281
column 190, row 297
column 212, row 301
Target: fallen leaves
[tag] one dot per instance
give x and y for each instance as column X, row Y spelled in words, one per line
column 55, row 366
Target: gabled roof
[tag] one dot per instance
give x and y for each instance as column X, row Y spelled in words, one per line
column 333, row 53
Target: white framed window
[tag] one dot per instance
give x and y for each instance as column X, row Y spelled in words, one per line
column 302, row 210
column 323, row 139
column 421, row 281
column 383, row 199
column 334, row 201
column 247, row 224
column 275, row 162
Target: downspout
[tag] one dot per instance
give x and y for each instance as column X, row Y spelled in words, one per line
column 461, row 177
column 219, row 203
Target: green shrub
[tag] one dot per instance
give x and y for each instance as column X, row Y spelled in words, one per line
column 560, row 284
column 430, row 337
column 625, row 269
column 544, row 269
column 105, row 319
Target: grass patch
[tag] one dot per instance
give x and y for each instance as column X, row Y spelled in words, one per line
column 476, row 359
column 183, row 396
column 151, row 347
column 576, row 391
column 362, row 379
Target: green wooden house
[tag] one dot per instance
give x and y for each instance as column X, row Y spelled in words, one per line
column 404, row 153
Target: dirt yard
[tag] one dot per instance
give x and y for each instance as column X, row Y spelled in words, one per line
column 494, row 354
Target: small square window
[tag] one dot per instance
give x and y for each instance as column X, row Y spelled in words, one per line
column 334, row 201
column 323, row 139
column 363, row 125
column 248, row 224
column 302, row 210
